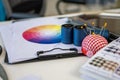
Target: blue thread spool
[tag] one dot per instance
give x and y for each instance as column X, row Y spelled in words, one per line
column 104, row 33
column 67, row 34
column 80, row 32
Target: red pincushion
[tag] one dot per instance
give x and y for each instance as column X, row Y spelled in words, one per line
column 92, row 43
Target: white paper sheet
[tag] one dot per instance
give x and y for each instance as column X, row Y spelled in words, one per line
column 18, row 49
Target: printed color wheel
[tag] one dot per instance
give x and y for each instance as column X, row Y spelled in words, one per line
column 45, row 34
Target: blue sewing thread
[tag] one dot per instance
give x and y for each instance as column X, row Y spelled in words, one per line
column 67, row 33
column 80, row 32
column 104, row 33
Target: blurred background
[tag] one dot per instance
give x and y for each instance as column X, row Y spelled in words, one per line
column 21, row 9
column 75, row 6
column 16, row 9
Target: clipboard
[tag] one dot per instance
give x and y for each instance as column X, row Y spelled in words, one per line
column 47, row 57
column 12, row 30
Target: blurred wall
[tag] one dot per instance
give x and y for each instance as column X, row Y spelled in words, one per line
column 51, row 7
column 92, row 5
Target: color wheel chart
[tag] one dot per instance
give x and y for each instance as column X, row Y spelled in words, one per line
column 44, row 34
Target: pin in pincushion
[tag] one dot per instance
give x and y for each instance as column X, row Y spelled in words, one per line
column 92, row 43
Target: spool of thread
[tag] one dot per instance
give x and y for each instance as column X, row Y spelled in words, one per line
column 80, row 32
column 104, row 33
column 67, row 34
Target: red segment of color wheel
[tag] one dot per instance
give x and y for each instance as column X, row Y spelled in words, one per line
column 92, row 43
